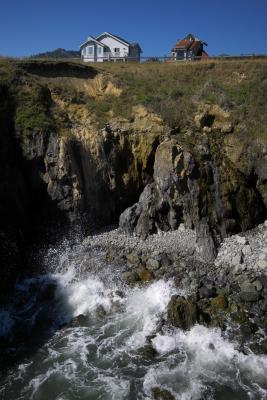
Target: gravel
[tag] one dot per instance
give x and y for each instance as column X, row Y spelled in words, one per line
column 182, row 242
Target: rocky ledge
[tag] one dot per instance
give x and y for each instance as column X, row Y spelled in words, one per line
column 230, row 293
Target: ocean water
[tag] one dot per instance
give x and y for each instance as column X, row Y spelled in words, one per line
column 121, row 349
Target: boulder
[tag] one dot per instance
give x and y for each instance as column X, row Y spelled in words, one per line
column 131, row 277
column 147, row 351
column 182, row 313
column 207, row 292
column 133, row 258
column 262, row 264
column 152, row 264
column 219, row 302
column 145, row 275
column 160, row 393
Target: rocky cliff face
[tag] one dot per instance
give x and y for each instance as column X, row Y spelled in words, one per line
column 94, row 174
column 84, row 175
column 61, row 162
column 197, row 182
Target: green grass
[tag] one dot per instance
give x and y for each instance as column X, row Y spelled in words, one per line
column 33, row 109
column 171, row 90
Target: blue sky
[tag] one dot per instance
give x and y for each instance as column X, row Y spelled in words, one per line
column 228, row 26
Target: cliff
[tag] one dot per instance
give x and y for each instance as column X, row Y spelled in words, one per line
column 80, row 144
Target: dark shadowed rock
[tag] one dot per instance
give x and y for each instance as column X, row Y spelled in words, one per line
column 147, row 351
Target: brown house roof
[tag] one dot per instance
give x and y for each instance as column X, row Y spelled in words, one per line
column 191, row 42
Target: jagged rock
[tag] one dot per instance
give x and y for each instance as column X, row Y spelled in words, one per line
column 195, row 186
column 182, row 313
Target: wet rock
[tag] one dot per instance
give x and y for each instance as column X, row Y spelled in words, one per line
column 182, row 313
column 259, row 347
column 219, row 302
column 213, row 312
column 247, row 329
column 131, row 277
column 100, row 312
column 145, row 275
column 80, row 320
column 147, row 351
column 160, row 393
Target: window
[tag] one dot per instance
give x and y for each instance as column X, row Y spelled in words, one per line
column 99, row 50
column 90, row 50
column 116, row 50
column 180, row 55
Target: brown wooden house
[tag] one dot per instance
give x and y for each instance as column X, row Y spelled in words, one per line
column 189, row 48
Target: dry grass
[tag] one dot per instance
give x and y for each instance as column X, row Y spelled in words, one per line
column 172, row 90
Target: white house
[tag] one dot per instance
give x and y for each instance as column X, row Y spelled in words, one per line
column 109, row 47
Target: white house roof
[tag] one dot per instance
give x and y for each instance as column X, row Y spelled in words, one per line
column 91, row 39
column 123, row 41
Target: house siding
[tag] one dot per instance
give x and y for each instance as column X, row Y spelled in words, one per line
column 107, row 52
column 112, row 44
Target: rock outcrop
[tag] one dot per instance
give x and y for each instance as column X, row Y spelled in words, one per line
column 196, row 183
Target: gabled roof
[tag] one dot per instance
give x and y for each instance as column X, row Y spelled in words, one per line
column 91, row 39
column 189, row 42
column 123, row 41
column 136, row 46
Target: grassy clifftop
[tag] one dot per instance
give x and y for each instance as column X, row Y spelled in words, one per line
column 178, row 93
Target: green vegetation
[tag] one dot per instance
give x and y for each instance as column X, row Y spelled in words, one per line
column 174, row 91
column 31, row 101
column 33, row 109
